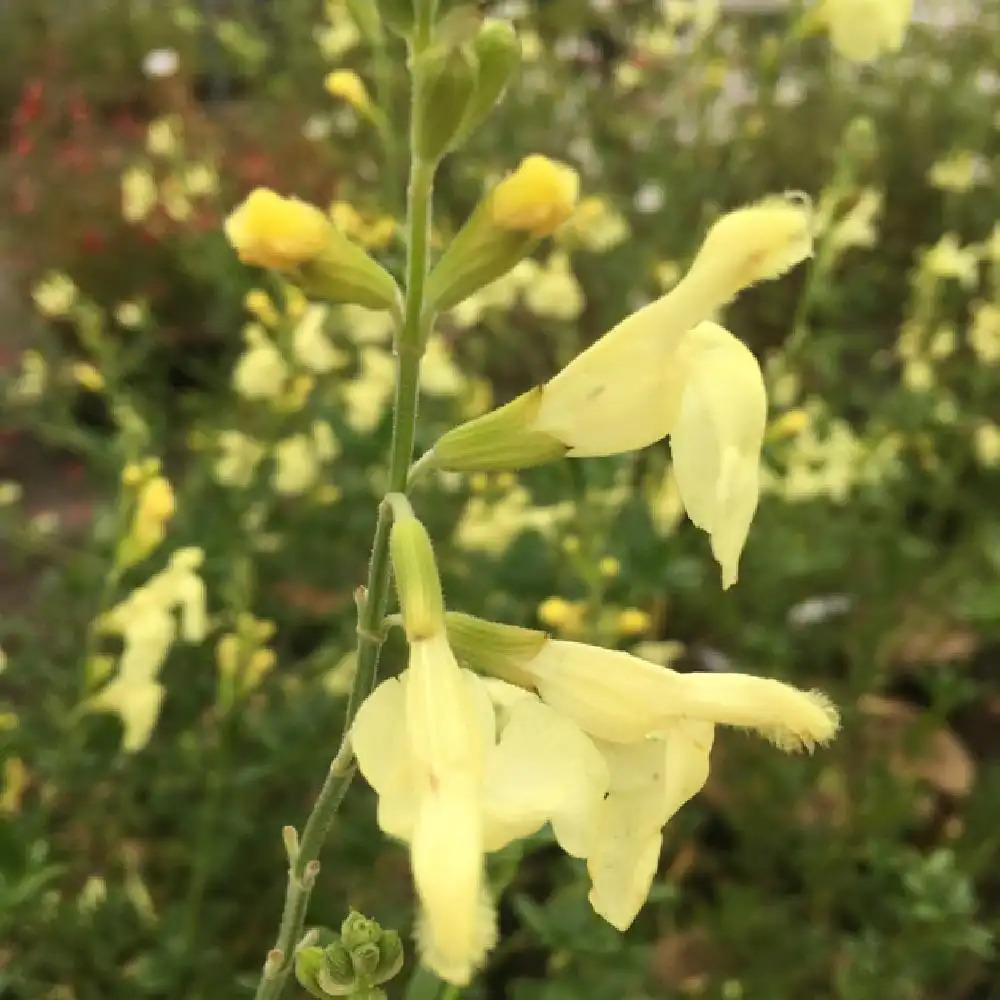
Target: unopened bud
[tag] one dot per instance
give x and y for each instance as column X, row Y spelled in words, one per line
column 527, row 205
column 336, row 975
column 498, row 54
column 446, row 80
column 504, row 438
column 288, row 235
column 365, row 959
column 419, row 588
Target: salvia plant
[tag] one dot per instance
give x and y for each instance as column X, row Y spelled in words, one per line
column 493, row 731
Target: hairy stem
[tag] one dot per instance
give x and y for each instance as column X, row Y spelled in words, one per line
column 304, row 865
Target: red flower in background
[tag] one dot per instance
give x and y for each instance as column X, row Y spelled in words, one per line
column 92, row 241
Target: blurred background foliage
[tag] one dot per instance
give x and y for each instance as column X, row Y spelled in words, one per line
column 129, row 332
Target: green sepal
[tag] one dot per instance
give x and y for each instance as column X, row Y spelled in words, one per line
column 503, row 439
column 493, row 648
column 480, row 253
column 344, row 273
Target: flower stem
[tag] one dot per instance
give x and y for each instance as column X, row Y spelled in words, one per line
column 409, row 349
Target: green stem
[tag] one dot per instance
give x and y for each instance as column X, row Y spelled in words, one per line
column 409, row 348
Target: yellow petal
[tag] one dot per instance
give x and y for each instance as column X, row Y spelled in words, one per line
column 790, row 718
column 717, row 440
column 543, row 769
column 381, row 746
column 447, row 858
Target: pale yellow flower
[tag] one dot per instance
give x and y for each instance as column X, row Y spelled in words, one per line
column 201, row 180
column 261, row 371
column 55, row 295
column 984, row 332
column 163, row 136
column 862, row 30
column 948, row 259
column 296, row 466
column 311, row 346
column 268, row 230
column 633, row 621
column 463, row 767
column 986, row 444
column 88, row 376
column 555, row 293
column 652, row 726
column 439, row 374
column 148, row 626
column 958, row 172
column 139, row 194
column 175, row 199
column 596, row 226
column 537, row 198
column 238, row 458
column 130, row 315
column 367, row 396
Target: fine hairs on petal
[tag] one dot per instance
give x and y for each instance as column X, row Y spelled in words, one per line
column 439, row 959
column 818, row 727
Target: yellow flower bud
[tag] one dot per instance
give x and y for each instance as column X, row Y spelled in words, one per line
column 634, row 621
column 259, row 303
column 536, row 198
column 286, row 234
column 558, row 613
column 88, row 376
column 609, row 567
column 268, row 230
column 349, row 87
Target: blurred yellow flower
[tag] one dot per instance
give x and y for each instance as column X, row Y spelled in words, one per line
column 609, row 567
column 163, row 136
column 31, row 381
column 261, row 371
column 176, row 203
column 958, row 172
column 558, row 613
column 554, row 292
column 349, row 87
column 259, row 304
column 596, row 226
column 237, row 460
column 15, row 784
column 88, row 376
column 862, row 30
column 155, row 505
column 148, row 627
column 538, row 197
column 296, row 466
column 948, row 259
column 439, row 375
column 984, row 332
column 311, row 346
column 268, row 230
column 139, row 194
column 130, row 315
column 633, row 621
column 201, row 180
column 986, row 443
column 55, row 295
column 367, row 396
